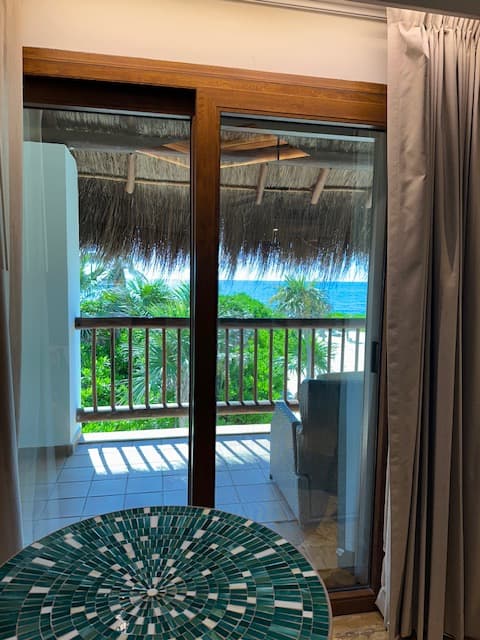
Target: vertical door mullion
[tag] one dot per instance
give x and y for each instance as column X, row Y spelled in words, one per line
column 205, row 154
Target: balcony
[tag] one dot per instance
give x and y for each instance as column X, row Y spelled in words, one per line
column 260, row 361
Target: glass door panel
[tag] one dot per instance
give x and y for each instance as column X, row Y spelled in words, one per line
column 300, row 264
column 106, row 305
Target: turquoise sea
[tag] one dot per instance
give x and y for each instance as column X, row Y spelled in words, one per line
column 343, row 297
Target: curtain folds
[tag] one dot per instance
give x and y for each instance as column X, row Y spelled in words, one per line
column 433, row 319
column 10, row 273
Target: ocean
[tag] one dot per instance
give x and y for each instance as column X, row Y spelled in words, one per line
column 343, row 297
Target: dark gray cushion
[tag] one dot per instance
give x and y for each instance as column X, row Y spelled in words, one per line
column 325, row 405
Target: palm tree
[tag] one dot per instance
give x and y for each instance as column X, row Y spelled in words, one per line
column 181, row 300
column 148, row 299
column 91, row 273
column 157, row 299
column 301, row 298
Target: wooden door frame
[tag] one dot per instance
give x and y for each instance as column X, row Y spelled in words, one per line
column 65, row 78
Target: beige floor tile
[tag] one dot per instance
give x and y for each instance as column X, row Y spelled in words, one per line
column 363, row 626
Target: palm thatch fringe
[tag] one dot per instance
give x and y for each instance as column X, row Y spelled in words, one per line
column 288, row 233
column 152, row 225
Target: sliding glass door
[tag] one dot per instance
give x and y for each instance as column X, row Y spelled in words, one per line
column 106, row 304
column 299, row 313
column 106, row 329
column 202, row 303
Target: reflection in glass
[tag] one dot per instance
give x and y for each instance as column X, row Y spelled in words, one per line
column 297, row 312
column 105, row 334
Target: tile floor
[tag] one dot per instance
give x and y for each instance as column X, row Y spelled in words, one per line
column 363, row 626
column 105, row 477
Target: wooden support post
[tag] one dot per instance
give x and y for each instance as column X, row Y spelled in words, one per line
column 262, row 180
column 132, row 162
column 319, row 185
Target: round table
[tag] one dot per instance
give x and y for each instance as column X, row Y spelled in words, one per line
column 162, row 572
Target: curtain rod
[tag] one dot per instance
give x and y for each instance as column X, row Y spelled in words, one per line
column 332, row 7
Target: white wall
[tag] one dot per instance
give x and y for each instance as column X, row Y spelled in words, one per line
column 214, row 32
column 50, row 372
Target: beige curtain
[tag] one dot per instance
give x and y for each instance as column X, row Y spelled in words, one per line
column 10, row 277
column 433, row 326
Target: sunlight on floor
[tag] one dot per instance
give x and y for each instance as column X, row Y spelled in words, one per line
column 109, row 476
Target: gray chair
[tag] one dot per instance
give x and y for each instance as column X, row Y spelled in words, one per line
column 318, row 455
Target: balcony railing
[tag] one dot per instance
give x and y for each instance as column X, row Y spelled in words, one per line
column 139, row 367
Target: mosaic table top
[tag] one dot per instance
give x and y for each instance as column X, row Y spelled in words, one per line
column 162, row 572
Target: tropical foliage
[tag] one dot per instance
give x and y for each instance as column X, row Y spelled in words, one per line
column 116, row 290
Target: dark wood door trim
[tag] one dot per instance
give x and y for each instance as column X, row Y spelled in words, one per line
column 322, row 106
column 44, row 91
column 203, row 317
column 347, row 602
column 355, row 102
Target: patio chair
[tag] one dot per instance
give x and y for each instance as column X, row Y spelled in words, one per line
column 317, row 455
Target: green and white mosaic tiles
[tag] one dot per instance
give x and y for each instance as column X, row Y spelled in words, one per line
column 162, row 572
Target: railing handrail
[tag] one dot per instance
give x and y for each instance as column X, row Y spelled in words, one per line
column 131, row 322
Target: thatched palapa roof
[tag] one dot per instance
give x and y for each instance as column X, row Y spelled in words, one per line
column 289, row 200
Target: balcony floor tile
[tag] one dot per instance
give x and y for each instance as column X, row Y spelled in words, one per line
column 66, row 508
column 78, row 460
column 64, row 490
column 82, row 474
column 108, row 487
column 96, row 505
column 176, row 482
column 258, row 492
column 44, row 527
column 175, row 497
column 226, row 495
column 237, row 509
column 291, row 531
column 137, row 500
column 266, row 511
column 154, row 484
column 247, row 476
column 223, row 478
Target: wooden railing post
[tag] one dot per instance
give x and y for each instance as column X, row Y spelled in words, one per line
column 147, row 367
